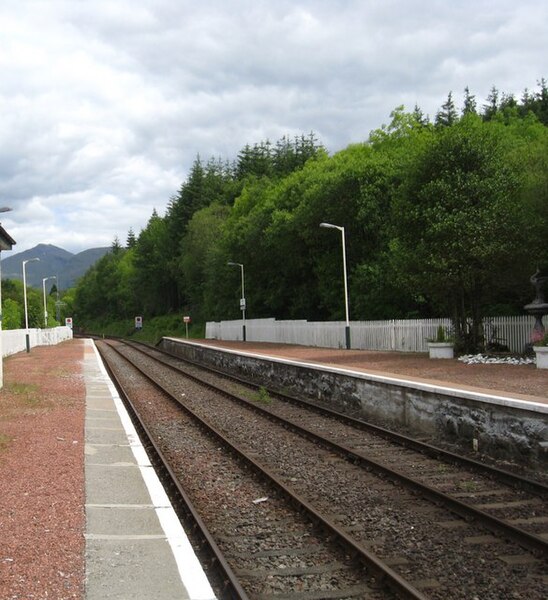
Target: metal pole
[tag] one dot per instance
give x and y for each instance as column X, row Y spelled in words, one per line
column 45, row 309
column 243, row 308
column 27, row 334
column 44, row 279
column 347, row 326
column 27, row 340
column 242, row 299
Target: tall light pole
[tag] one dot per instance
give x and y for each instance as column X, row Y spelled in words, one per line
column 347, row 328
column 242, row 299
column 44, row 279
column 27, row 336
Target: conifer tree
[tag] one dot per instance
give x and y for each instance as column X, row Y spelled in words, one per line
column 470, row 105
column 447, row 115
column 131, row 240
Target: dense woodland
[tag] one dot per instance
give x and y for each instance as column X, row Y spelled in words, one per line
column 443, row 217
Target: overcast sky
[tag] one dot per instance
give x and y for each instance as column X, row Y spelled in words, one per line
column 105, row 104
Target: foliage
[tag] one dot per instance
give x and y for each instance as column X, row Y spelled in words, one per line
column 439, row 218
column 12, row 314
column 442, row 336
column 543, row 341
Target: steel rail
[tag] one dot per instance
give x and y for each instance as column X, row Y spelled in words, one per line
column 230, row 584
column 507, row 477
column 393, row 580
column 530, row 541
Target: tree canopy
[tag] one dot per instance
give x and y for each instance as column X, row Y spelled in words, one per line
column 441, row 218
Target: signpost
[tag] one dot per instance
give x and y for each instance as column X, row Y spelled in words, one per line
column 68, row 322
column 138, row 323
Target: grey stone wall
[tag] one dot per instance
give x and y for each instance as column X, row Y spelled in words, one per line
column 502, row 428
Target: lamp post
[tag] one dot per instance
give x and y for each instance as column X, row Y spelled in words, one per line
column 347, row 328
column 44, row 279
column 27, row 336
column 242, row 299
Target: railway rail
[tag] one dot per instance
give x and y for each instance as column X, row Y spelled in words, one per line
column 430, row 527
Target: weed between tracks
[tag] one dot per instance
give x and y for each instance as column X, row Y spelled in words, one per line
column 261, row 396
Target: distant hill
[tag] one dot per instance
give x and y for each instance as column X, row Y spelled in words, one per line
column 66, row 266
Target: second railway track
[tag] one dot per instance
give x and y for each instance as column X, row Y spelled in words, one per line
column 433, row 542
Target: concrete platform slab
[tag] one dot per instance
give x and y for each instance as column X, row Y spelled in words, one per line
column 135, row 546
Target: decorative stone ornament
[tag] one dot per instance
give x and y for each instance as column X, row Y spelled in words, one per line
column 541, row 353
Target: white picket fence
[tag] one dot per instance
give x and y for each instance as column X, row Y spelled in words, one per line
column 402, row 335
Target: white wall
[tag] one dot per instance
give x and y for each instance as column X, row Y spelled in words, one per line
column 14, row 340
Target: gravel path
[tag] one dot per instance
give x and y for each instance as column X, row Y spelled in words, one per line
column 41, row 474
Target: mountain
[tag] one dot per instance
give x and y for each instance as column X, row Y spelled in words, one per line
column 67, row 267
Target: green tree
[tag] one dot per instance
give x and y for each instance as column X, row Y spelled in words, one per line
column 470, row 104
column 155, row 284
column 198, row 249
column 131, row 239
column 460, row 224
column 447, row 115
column 12, row 315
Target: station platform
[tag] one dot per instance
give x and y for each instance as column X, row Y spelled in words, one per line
column 82, row 513
column 135, row 545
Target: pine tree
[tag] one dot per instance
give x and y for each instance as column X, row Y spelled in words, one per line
column 115, row 246
column 470, row 105
column 131, row 240
column 447, row 115
column 491, row 108
column 420, row 118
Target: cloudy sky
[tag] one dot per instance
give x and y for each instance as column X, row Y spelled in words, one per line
column 105, row 104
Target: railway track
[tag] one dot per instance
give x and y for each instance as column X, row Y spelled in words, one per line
column 442, row 530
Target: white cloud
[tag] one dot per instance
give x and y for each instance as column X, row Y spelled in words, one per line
column 106, row 104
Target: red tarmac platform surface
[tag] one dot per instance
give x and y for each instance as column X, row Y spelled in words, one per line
column 81, row 523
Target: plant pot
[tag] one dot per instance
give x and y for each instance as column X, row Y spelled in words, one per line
column 440, row 349
column 542, row 356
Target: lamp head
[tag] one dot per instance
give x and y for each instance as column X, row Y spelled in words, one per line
column 331, row 226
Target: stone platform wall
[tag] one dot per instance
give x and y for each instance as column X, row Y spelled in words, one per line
column 501, row 427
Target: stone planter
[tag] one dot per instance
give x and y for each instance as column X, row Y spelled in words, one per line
column 542, row 356
column 440, row 349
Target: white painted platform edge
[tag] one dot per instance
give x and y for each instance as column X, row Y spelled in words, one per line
column 190, row 569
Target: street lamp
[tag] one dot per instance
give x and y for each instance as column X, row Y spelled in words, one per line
column 347, row 328
column 27, row 337
column 242, row 299
column 44, row 279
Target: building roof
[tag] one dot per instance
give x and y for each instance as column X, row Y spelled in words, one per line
column 6, row 241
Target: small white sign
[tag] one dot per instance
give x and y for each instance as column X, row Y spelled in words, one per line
column 68, row 322
column 138, row 322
